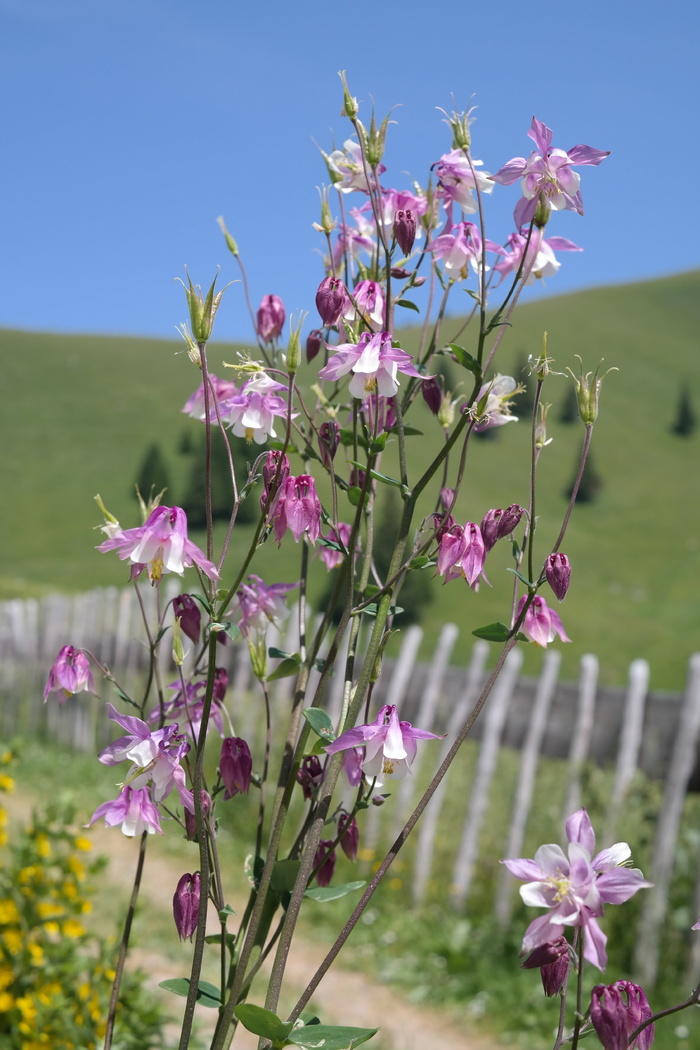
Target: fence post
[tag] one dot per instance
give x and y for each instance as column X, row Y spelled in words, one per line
column 581, row 739
column 630, row 743
column 681, row 766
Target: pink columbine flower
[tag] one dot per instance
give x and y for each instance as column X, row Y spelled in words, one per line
column 133, row 809
column 575, row 887
column 187, row 709
column 368, row 305
column 331, row 300
column 374, row 363
column 331, row 556
column 161, row 544
column 461, row 552
column 297, row 508
column 251, row 413
column 498, row 523
column 390, row 745
column 547, row 175
column 557, row 569
column 223, row 388
column 155, row 757
column 541, row 624
column 540, row 260
column 496, row 411
column 350, row 835
column 270, row 319
column 348, row 170
column 616, row 1010
column 261, row 606
column 310, row 776
column 186, row 905
column 459, row 249
column 235, row 766
column 186, row 610
column 457, row 182
column 69, row 674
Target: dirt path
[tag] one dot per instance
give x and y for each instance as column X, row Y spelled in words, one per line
column 343, row 997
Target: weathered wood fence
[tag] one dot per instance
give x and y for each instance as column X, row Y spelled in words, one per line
column 628, row 730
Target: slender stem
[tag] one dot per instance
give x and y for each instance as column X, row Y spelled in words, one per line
column 574, row 491
column 119, row 968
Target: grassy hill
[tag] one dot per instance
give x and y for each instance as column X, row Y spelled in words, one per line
column 79, row 413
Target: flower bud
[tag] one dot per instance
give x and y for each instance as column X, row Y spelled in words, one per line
column 588, row 391
column 327, row 862
column 500, row 523
column 294, row 347
column 314, row 342
column 328, row 441
column 350, row 835
column 187, row 612
column 220, row 684
column 331, row 299
column 350, row 106
column 553, row 962
column 235, row 766
column 310, row 775
column 405, row 230
column 432, row 394
column 202, row 311
column 190, row 820
column 270, row 319
column 541, row 438
column 558, row 572
column 186, row 905
column 616, row 1010
column 272, row 465
column 230, row 242
column 446, row 412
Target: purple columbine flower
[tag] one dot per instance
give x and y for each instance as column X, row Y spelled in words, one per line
column 459, row 249
column 390, row 745
column 133, row 809
column 350, row 835
column 540, row 260
column 235, row 766
column 616, row 1010
column 575, row 887
column 191, row 820
column 553, row 961
column 328, row 441
column 541, row 624
column 330, row 556
column 405, row 229
column 187, row 708
column 251, row 413
column 368, row 305
column 297, row 508
column 223, row 388
column 547, row 175
column 261, row 605
column 558, row 572
column 326, row 860
column 186, row 610
column 69, row 674
column 457, row 181
column 498, row 523
column 495, row 410
column 270, row 319
column 331, row 300
column 186, row 905
column 161, row 544
column 461, row 552
column 310, row 776
column 373, row 362
column 314, row 342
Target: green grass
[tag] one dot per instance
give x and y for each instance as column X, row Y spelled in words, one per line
column 79, row 413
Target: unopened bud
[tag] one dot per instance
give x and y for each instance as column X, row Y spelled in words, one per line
column 186, row 905
column 235, row 766
column 331, row 300
column 178, row 651
column 310, row 775
column 446, row 412
column 542, row 213
column 350, row 106
column 328, row 441
column 326, row 860
column 350, row 835
column 202, row 309
column 187, row 614
column 432, row 394
column 558, row 572
column 376, row 140
column 190, row 819
column 270, row 318
column 405, row 230
column 553, row 962
column 541, row 438
column 314, row 342
column 588, row 391
column 230, row 242
column 294, row 346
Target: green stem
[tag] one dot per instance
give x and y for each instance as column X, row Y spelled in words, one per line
column 119, row 968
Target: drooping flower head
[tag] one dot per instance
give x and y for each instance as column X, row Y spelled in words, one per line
column 461, row 552
column 547, row 175
column 297, row 507
column 133, row 809
column 270, row 318
column 251, row 412
column 575, row 887
column 70, row 673
column 368, row 305
column 457, row 182
column 223, row 388
column 374, row 364
column 541, row 624
column 186, row 905
column 261, row 605
column 390, row 745
column 235, row 766
column 492, row 405
column 161, row 544
column 540, row 260
column 616, row 1010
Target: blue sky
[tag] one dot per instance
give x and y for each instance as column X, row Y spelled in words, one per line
column 130, row 127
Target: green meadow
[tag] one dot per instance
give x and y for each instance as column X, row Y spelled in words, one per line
column 80, row 412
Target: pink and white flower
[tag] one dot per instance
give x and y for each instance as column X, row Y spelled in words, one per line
column 541, row 624
column 374, row 364
column 223, row 388
column 252, row 411
column 133, row 809
column 297, row 507
column 540, row 260
column 547, row 175
column 70, row 673
column 161, row 544
column 495, row 411
column 390, row 745
column 348, row 170
column 368, row 305
column 575, row 887
column 457, row 182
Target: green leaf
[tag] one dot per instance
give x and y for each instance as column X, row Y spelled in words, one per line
column 287, row 668
column 332, row 893
column 207, row 994
column 354, row 494
column 279, row 654
column 422, row 562
column 466, row 360
column 408, row 304
column 379, row 443
column 493, row 632
column 225, row 912
column 320, row 723
column 231, row 629
column 263, row 1022
column 330, row 1037
column 284, row 875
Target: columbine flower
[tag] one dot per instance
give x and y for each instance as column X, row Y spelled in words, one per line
column 498, row 523
column 235, row 766
column 553, row 961
column 251, row 412
column 70, row 674
column 349, row 835
column 374, row 363
column 390, row 745
column 271, row 315
column 540, row 260
column 541, row 624
column 558, row 572
column 326, row 860
column 310, row 775
column 495, row 412
column 261, row 605
column 575, row 888
column 155, row 757
column 457, row 181
column 186, row 610
column 186, row 905
column 461, row 248
column 332, row 557
column 161, row 544
column 297, row 508
column 133, row 809
column 616, row 1010
column 547, row 175
column 223, row 388
column 461, row 552
column 348, row 170
column 368, row 305
column 188, row 708
column 331, row 300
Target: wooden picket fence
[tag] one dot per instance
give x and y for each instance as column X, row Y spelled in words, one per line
column 628, row 730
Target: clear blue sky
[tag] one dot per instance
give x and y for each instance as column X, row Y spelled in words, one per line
column 130, row 126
